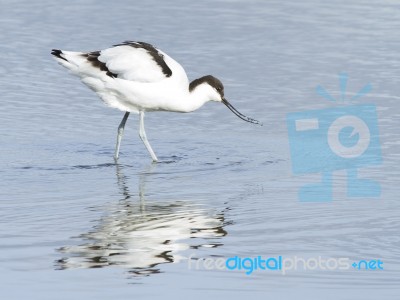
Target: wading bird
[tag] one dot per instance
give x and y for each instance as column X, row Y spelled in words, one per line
column 137, row 77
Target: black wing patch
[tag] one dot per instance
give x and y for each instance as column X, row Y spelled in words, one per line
column 93, row 58
column 153, row 52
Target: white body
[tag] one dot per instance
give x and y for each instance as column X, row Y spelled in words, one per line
column 141, row 84
column 136, row 77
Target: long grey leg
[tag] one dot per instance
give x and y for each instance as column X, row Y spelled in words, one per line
column 120, row 133
column 143, row 137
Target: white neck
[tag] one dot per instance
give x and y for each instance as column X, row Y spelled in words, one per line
column 191, row 101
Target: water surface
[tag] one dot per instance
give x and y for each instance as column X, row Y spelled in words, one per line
column 74, row 224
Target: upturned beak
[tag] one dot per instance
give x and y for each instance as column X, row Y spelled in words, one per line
column 239, row 114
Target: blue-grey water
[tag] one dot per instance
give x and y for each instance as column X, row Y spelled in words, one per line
column 75, row 225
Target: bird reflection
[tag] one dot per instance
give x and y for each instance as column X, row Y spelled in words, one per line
column 140, row 234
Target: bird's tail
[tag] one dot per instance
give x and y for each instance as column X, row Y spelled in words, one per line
column 58, row 53
column 70, row 60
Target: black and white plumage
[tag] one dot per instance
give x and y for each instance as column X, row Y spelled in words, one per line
column 137, row 77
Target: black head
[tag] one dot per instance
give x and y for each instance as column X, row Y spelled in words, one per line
column 211, row 80
column 219, row 88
